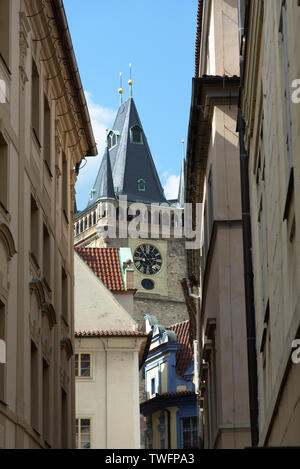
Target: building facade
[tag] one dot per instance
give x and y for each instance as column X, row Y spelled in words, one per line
column 44, row 134
column 170, row 408
column 127, row 170
column 269, row 126
column 216, row 270
column 109, row 350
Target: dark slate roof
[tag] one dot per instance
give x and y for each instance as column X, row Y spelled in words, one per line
column 103, row 187
column 131, row 162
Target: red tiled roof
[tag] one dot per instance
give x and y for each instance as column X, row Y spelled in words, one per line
column 80, row 334
column 184, row 356
column 105, row 264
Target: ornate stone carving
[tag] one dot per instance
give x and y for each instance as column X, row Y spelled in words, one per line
column 23, row 43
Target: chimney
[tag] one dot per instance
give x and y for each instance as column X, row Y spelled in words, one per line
column 129, row 275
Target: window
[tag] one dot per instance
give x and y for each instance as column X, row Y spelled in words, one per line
column 83, row 433
column 3, row 171
column 64, row 295
column 64, row 419
column 153, row 387
column 136, row 135
column 47, row 135
column 94, row 218
column 141, row 184
column 64, row 186
column 34, row 231
column 113, row 139
column 83, row 367
column 46, row 256
column 189, row 437
column 35, row 102
column 2, row 337
column 46, row 408
column 34, row 387
column 4, row 31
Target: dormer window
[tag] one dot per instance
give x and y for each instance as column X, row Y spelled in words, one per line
column 92, row 193
column 141, row 185
column 113, row 139
column 136, row 134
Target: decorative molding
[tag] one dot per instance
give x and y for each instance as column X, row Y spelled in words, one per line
column 49, row 311
column 23, row 43
column 6, row 236
column 66, row 343
column 36, row 286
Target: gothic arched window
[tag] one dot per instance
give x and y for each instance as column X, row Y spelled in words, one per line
column 136, row 134
column 113, row 139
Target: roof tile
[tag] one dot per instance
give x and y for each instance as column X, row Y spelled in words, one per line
column 80, row 334
column 184, row 356
column 105, row 264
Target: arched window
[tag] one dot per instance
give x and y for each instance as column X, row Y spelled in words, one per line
column 113, row 139
column 136, row 134
column 90, row 220
column 141, row 185
column 81, row 226
column 94, row 218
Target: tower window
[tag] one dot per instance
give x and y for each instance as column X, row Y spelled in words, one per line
column 92, row 194
column 141, row 185
column 136, row 134
column 113, row 139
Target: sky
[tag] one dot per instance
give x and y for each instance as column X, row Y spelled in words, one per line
column 158, row 38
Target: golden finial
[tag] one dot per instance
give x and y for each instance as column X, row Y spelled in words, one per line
column 120, row 90
column 130, row 81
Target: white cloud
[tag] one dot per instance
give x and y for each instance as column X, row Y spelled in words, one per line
column 101, row 119
column 171, row 186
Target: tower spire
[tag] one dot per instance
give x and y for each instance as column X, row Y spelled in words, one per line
column 182, row 179
column 121, row 91
column 130, row 81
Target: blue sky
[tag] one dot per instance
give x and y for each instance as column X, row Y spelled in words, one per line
column 158, row 38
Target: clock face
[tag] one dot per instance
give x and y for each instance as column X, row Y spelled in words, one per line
column 147, row 259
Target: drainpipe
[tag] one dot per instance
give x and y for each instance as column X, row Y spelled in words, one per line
column 243, row 6
column 249, row 289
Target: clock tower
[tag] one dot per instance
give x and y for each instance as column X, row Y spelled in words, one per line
column 158, row 256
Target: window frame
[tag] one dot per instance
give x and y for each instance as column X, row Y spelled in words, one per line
column 78, row 434
column 79, row 376
column 141, row 185
column 191, row 429
column 141, row 142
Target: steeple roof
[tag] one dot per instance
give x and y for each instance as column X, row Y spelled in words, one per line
column 180, row 199
column 133, row 170
column 103, row 187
